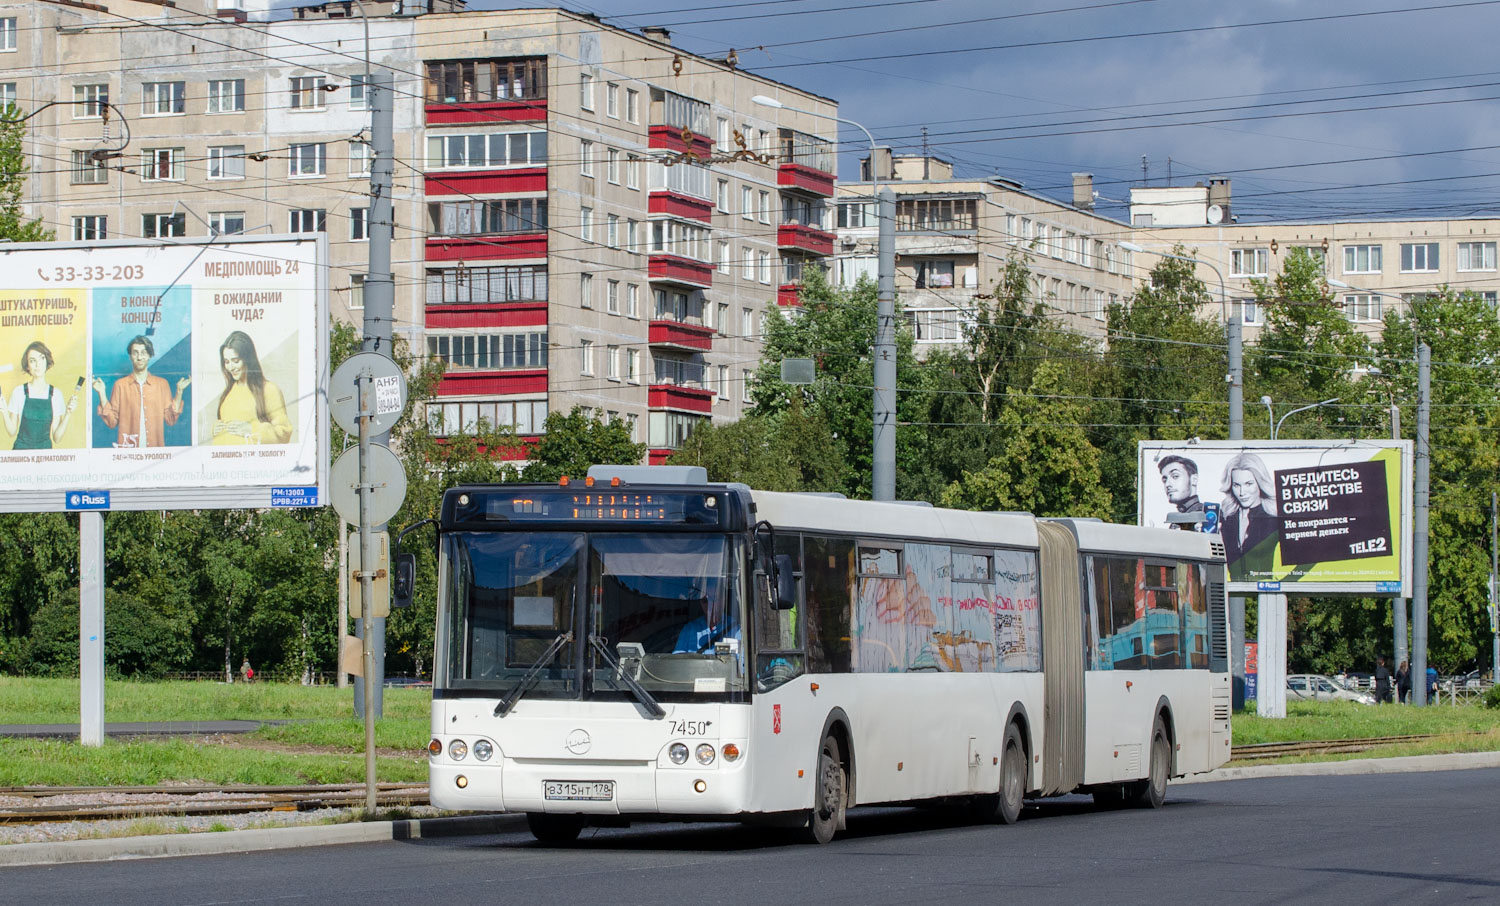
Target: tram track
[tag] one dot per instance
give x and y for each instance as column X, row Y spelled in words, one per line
column 37, row 805
column 1268, row 750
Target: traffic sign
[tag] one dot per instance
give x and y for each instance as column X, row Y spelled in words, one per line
column 387, row 478
column 389, row 397
column 380, row 586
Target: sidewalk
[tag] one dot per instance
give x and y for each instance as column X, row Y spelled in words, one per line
column 259, row 839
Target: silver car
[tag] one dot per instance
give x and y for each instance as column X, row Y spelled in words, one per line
column 1317, row 687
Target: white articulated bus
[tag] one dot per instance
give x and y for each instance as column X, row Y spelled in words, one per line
column 648, row 644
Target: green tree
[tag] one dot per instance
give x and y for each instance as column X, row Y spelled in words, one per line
column 791, row 451
column 576, row 441
column 13, row 225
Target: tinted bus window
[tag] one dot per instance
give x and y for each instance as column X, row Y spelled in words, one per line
column 828, row 564
column 1192, row 593
column 778, row 633
column 1163, row 629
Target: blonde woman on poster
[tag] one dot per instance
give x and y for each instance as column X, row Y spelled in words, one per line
column 36, row 413
column 252, row 409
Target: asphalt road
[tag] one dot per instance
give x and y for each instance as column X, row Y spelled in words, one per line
column 1406, row 838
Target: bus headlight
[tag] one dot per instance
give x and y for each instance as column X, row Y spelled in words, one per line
column 705, row 753
column 457, row 749
column 731, row 752
column 483, row 749
column 678, row 753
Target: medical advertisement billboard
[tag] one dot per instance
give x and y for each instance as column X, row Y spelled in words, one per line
column 163, row 375
column 1313, row 516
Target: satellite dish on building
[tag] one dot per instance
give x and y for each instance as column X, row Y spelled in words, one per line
column 1215, row 213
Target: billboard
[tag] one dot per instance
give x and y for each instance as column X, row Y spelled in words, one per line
column 184, row 373
column 1313, row 516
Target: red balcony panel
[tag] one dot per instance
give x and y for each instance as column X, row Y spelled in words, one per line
column 486, row 182
column 659, row 457
column 787, row 294
column 671, row 139
column 513, row 314
column 682, row 336
column 487, row 113
column 676, row 269
column 682, row 399
column 493, row 383
column 522, row 449
column 806, row 179
column 676, row 204
column 475, row 248
column 800, row 238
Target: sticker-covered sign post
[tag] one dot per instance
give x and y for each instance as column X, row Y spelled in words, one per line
column 174, row 374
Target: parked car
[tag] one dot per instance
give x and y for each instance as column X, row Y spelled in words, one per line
column 1317, row 687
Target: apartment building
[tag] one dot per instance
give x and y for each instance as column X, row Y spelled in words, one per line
column 954, row 236
column 584, row 215
column 1373, row 266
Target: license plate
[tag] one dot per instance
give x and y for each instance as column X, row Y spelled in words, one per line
column 579, row 790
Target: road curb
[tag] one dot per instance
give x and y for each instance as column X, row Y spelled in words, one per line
column 253, row 840
column 1405, row 764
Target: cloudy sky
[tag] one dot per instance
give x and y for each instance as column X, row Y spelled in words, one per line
column 1313, row 109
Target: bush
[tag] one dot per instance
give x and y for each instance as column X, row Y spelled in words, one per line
column 1492, row 697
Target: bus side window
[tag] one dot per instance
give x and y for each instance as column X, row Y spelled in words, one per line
column 1193, row 596
column 1096, row 615
column 828, row 565
column 1127, row 645
column 1163, row 622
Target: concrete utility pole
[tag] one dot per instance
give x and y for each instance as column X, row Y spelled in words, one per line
column 380, row 303
column 1421, row 500
column 883, row 478
column 1494, row 577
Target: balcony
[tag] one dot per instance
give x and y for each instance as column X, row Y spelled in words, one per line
column 678, row 398
column 487, row 91
column 789, row 295
column 678, row 270
column 676, row 204
column 463, row 315
column 678, row 123
column 493, row 382
column 497, row 247
column 485, row 182
column 681, row 335
column 684, row 140
column 802, row 178
column 806, row 240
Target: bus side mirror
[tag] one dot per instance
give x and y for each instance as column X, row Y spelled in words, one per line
column 403, row 588
column 786, row 583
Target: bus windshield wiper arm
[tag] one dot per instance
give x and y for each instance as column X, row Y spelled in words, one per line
column 514, row 695
column 639, row 691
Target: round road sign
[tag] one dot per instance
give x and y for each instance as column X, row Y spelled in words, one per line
column 388, row 400
column 387, row 476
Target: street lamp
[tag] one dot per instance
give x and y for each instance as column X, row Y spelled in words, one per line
column 1270, row 417
column 1233, row 334
column 883, row 464
column 1276, row 428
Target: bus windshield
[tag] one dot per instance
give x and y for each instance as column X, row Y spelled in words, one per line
column 666, row 607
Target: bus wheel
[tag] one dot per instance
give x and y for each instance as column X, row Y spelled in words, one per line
column 1012, row 778
column 1152, row 792
column 554, row 830
column 827, row 814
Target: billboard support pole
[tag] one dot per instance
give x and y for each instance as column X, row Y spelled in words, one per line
column 1270, row 686
column 91, row 628
column 1494, row 577
column 1420, row 501
column 1398, row 604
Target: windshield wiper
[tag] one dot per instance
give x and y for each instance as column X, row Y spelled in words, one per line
column 514, row 695
column 655, row 710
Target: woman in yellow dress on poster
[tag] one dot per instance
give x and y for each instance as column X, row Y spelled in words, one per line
column 252, row 410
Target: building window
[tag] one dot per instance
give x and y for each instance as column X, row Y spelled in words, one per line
column 745, row 385
column 87, row 170
column 765, row 207
column 486, row 151
column 226, row 95
column 489, row 352
column 935, row 325
column 359, row 224
column 723, row 258
column 747, row 202
column 632, row 171
column 586, row 290
column 936, row 214
column 307, row 220
column 222, row 223
column 586, row 91
column 1419, row 257
column 89, row 101
column 612, row 100
column 1362, row 307
column 612, row 363
column 586, row 357
column 723, row 196
column 162, row 164
column 163, row 98
column 226, row 162
column 90, row 226
column 632, row 105
column 747, row 323
column 764, row 267
column 467, row 81
column 612, row 297
column 1249, row 262
column 747, row 264
column 674, row 237
column 307, row 92
column 356, row 290
column 163, row 226
column 359, row 96
column 586, row 224
column 1361, row 259
column 612, row 231
column 632, row 301
column 723, row 382
column 1476, row 256
column 498, row 216
column 360, row 158
column 7, row 96
column 586, row 158
column 8, row 34
column 934, row 274
column 524, row 417
column 633, row 366
column 487, row 285
column 308, row 159
column 723, row 132
column 1249, row 311
column 612, row 166
column 856, row 215
column 632, row 240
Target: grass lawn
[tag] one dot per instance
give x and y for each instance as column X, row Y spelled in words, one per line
column 55, row 701
column 1350, row 720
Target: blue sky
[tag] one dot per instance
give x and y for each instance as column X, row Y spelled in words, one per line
column 1407, row 78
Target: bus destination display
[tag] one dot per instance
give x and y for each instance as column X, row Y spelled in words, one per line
column 611, row 505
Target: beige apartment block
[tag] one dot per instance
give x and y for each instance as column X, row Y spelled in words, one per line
column 1372, row 266
column 955, row 235
column 584, row 215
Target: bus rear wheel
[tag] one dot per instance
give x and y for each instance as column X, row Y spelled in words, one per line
column 1152, row 792
column 554, row 830
column 826, row 816
column 1005, row 806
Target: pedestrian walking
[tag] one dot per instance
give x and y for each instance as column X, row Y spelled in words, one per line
column 1403, row 683
column 1382, row 681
